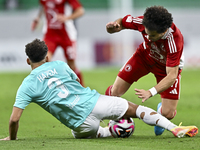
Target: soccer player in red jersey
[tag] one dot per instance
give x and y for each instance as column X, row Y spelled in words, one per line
column 161, row 53
column 59, row 28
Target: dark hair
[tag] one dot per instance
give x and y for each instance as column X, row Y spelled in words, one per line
column 157, row 18
column 36, row 50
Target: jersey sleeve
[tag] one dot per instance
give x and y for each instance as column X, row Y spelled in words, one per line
column 74, row 4
column 22, row 97
column 175, row 45
column 174, row 59
column 134, row 23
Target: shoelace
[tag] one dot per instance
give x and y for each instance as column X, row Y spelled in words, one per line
column 180, row 124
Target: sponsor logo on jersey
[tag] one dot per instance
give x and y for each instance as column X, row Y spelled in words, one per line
column 156, row 52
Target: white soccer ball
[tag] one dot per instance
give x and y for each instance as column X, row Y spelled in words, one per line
column 122, row 128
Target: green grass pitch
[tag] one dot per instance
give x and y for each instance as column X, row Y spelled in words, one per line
column 38, row 130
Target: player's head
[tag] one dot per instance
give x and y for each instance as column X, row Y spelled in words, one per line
column 36, row 50
column 157, row 19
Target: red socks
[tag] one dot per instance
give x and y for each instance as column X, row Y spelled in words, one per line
column 108, row 90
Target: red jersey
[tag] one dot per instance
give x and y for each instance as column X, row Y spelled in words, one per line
column 53, row 7
column 168, row 51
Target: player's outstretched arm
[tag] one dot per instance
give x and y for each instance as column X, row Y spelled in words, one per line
column 14, row 123
column 37, row 19
column 115, row 26
column 164, row 84
column 76, row 14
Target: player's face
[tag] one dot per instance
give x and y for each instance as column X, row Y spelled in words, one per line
column 153, row 35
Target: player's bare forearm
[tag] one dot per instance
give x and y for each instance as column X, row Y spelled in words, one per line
column 164, row 84
column 76, row 14
column 115, row 26
column 14, row 122
column 169, row 80
column 37, row 19
column 13, row 128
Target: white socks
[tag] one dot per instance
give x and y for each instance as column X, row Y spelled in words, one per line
column 154, row 119
column 103, row 132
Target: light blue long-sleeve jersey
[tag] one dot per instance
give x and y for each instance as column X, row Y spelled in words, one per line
column 53, row 86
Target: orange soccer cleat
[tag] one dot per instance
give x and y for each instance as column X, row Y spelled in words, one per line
column 180, row 131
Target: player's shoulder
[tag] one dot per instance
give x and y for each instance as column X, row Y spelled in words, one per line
column 57, row 62
column 174, row 38
column 172, row 33
column 28, row 82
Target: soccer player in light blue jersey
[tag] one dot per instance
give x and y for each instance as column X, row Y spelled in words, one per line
column 56, row 88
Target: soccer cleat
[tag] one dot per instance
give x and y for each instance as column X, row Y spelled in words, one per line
column 180, row 131
column 158, row 130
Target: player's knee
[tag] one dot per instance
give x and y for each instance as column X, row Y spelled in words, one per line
column 170, row 114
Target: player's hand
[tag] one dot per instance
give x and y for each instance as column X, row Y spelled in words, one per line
column 61, row 18
column 5, row 139
column 142, row 94
column 113, row 27
column 34, row 24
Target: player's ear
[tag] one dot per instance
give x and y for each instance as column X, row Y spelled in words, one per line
column 28, row 61
column 47, row 58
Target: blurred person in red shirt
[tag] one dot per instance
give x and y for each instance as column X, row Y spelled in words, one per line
column 59, row 29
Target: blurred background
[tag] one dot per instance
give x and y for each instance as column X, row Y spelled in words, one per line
column 95, row 46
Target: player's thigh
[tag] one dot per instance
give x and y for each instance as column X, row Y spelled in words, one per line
column 110, row 107
column 88, row 129
column 69, row 50
column 119, row 87
column 51, row 44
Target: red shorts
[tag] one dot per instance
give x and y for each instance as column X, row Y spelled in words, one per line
column 140, row 65
column 53, row 39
